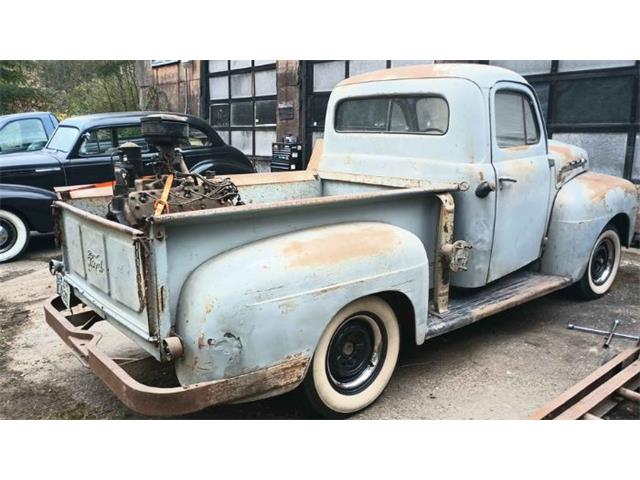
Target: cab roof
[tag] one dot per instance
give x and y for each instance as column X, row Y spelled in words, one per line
column 84, row 122
column 482, row 75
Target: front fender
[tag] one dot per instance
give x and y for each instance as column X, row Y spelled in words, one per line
column 255, row 305
column 582, row 208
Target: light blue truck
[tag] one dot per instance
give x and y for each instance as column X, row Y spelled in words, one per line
column 434, row 200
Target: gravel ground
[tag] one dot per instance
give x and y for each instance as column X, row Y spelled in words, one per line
column 503, row 367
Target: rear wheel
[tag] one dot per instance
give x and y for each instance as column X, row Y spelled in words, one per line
column 354, row 359
column 14, row 236
column 602, row 268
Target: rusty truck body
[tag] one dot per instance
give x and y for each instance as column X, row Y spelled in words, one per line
column 434, row 200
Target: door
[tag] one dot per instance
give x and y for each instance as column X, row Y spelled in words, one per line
column 523, row 179
column 91, row 160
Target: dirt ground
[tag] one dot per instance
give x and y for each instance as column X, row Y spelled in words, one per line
column 503, row 367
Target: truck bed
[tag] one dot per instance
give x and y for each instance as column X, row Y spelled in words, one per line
column 135, row 277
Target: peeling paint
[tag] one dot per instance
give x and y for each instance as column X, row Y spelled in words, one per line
column 359, row 241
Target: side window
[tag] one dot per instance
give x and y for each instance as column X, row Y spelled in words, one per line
column 97, row 142
column 197, row 138
column 21, row 135
column 132, row 133
column 515, row 121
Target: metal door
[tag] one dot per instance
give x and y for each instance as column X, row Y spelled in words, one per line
column 523, row 178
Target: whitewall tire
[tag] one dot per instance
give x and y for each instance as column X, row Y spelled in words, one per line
column 354, row 359
column 14, row 236
column 604, row 261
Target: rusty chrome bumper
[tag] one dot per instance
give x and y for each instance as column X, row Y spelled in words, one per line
column 165, row 401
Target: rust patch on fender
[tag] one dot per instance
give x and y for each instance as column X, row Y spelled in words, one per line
column 598, row 185
column 326, row 248
column 565, row 151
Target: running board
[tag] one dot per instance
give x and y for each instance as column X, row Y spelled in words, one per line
column 468, row 306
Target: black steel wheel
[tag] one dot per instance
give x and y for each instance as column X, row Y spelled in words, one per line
column 354, row 359
column 603, row 264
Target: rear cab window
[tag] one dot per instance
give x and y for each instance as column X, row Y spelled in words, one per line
column 412, row 114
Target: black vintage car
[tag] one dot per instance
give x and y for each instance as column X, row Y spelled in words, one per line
column 81, row 151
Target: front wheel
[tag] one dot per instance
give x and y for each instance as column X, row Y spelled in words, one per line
column 354, row 359
column 602, row 268
column 14, row 236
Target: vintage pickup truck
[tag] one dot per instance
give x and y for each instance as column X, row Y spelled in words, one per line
column 435, row 200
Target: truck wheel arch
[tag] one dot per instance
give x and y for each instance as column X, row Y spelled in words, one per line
column 583, row 207
column 283, row 308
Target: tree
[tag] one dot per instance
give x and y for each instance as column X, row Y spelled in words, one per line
column 91, row 86
column 68, row 87
column 17, row 90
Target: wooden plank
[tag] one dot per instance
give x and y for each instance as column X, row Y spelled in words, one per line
column 584, row 387
column 602, row 393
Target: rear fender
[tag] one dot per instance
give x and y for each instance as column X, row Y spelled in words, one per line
column 258, row 304
column 582, row 208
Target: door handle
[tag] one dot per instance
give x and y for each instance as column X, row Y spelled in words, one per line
column 501, row 180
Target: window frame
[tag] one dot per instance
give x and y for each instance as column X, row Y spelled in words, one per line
column 391, row 97
column 533, row 103
column 116, row 136
column 226, row 131
column 80, row 141
column 209, row 143
column 17, row 120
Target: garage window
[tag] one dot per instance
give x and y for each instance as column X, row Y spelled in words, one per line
column 242, row 109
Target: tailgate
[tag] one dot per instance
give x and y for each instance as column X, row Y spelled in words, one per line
column 104, row 262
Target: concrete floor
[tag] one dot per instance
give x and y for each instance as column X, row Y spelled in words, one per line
column 503, row 367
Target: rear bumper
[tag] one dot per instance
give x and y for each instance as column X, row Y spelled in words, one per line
column 159, row 401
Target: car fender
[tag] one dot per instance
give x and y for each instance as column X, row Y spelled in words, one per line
column 582, row 208
column 256, row 305
column 32, row 203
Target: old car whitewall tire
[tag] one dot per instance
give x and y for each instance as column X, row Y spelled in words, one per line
column 354, row 359
column 602, row 268
column 14, row 236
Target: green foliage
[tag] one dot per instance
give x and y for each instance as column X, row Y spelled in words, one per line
column 17, row 92
column 69, row 88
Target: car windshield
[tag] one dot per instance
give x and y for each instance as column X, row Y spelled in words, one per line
column 63, row 139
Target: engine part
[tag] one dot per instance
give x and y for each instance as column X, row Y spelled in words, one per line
column 188, row 192
column 166, row 133
column 173, row 188
column 125, row 171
